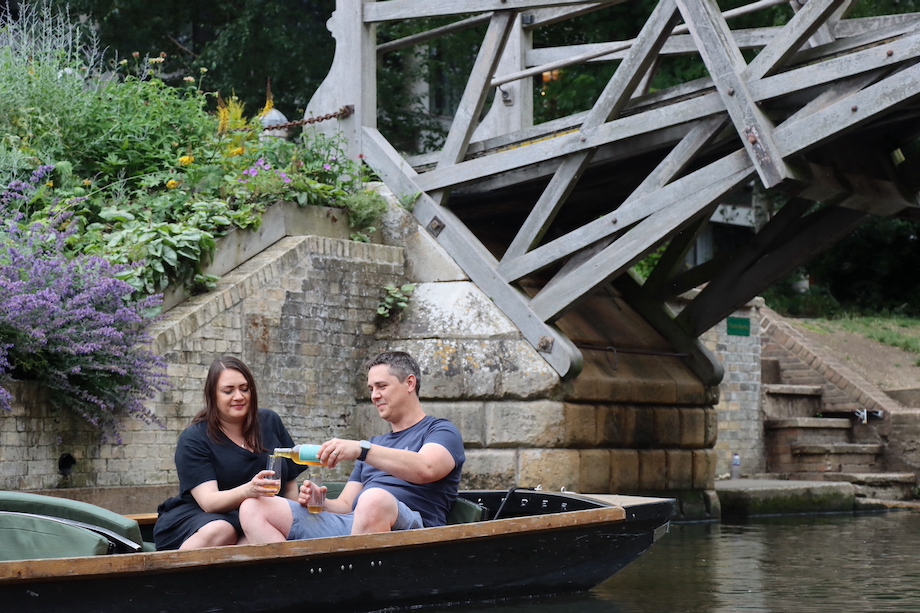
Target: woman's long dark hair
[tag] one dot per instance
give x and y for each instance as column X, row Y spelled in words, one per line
column 252, row 431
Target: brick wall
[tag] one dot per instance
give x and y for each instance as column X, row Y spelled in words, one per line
column 739, row 407
column 300, row 314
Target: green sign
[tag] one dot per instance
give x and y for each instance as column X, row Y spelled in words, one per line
column 739, row 326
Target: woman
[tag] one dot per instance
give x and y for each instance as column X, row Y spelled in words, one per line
column 220, row 459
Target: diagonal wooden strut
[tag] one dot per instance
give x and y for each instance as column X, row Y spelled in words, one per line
column 815, row 81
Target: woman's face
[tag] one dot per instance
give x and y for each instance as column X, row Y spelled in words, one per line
column 233, row 396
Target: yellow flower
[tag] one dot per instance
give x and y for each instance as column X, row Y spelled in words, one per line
column 269, row 102
column 87, row 182
column 172, row 184
column 50, row 183
column 187, row 160
column 223, row 116
column 235, row 152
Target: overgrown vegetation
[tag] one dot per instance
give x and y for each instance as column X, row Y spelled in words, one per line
column 117, row 185
column 150, row 176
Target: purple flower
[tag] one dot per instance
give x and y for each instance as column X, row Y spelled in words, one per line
column 74, row 326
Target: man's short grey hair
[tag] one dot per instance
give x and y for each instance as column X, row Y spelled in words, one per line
column 400, row 365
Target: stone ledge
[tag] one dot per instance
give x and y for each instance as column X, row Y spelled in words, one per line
column 807, row 422
column 743, row 498
column 836, row 448
column 793, row 390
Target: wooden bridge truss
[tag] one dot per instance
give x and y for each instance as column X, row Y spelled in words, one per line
column 821, row 117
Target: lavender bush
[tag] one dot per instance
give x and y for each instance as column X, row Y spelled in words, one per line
column 70, row 323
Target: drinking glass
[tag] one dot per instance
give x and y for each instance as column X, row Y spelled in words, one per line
column 276, row 464
column 317, row 497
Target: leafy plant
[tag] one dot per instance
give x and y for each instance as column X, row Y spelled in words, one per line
column 151, row 176
column 71, row 324
column 396, row 298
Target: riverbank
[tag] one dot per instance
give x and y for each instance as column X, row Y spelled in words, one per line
column 745, row 498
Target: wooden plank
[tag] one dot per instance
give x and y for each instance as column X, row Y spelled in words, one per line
column 791, row 37
column 817, row 233
column 680, row 112
column 606, row 48
column 834, row 68
column 703, row 183
column 672, row 260
column 726, row 66
column 428, row 35
column 473, row 258
column 610, row 103
column 477, row 88
column 548, row 16
column 850, row 112
column 395, row 10
column 682, row 207
column 702, row 362
column 722, row 265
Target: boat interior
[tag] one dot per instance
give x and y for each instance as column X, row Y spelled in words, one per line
column 34, row 526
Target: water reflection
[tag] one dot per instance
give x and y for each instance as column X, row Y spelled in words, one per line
column 813, row 564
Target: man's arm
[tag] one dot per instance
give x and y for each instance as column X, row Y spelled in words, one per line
column 431, row 463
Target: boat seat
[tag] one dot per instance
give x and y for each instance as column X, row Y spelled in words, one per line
column 465, row 512
column 33, row 537
column 462, row 512
column 74, row 510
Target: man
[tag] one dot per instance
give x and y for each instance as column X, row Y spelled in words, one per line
column 402, row 480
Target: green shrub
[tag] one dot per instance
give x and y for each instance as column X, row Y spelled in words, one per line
column 151, row 176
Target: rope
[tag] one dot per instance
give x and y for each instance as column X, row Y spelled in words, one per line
column 345, row 111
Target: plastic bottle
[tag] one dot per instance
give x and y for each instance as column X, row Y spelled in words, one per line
column 301, row 454
column 736, row 466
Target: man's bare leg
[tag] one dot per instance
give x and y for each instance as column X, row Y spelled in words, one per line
column 376, row 511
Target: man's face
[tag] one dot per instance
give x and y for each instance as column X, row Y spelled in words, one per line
column 388, row 394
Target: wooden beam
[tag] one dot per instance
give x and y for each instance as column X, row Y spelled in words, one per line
column 726, row 66
column 808, row 20
column 396, row 10
column 473, row 258
column 604, row 49
column 702, row 362
column 683, row 206
column 610, row 103
column 477, row 88
column 692, row 109
column 817, row 232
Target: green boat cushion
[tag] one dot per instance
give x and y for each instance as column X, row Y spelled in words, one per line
column 22, row 502
column 32, row 538
column 463, row 512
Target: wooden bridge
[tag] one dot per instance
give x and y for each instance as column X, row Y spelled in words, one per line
column 543, row 216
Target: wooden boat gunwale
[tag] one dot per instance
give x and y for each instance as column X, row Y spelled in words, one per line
column 549, row 542
column 59, row 568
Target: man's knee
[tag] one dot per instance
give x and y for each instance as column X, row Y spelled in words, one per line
column 375, row 511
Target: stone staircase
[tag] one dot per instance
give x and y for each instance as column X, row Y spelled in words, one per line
column 822, row 422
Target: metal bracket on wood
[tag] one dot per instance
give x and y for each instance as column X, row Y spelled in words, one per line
column 435, row 226
column 546, row 344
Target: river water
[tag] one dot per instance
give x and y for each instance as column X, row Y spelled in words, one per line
column 805, row 564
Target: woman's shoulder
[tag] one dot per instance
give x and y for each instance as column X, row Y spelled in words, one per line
column 194, row 433
column 267, row 416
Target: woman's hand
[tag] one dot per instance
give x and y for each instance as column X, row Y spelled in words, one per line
column 264, row 484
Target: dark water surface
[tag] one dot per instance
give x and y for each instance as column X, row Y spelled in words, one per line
column 812, row 564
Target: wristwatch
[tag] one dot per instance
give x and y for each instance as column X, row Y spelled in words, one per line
column 365, row 447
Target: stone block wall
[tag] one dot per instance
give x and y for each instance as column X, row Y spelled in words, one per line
column 300, row 314
column 740, row 418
